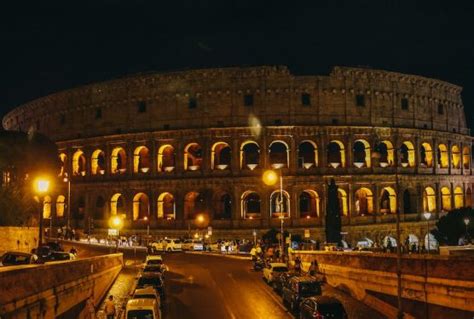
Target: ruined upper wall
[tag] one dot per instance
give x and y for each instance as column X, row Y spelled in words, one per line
column 117, row 106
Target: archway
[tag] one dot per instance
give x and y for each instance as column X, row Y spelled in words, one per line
column 468, row 197
column 309, row 202
column 336, row 155
column 458, row 197
column 194, row 203
column 387, row 154
column 455, row 156
column 277, row 210
column 99, row 208
column 166, row 158
column 250, row 205
column 192, row 157
column 117, row 205
column 407, row 154
column 388, row 201
column 221, row 156
column 445, row 199
column 60, row 206
column 79, row 163
column 47, row 207
column 118, row 161
column 443, row 159
column 307, row 155
column 166, row 206
column 98, row 162
column 343, row 205
column 141, row 206
column 279, row 154
column 361, row 153
column 466, row 158
column 249, row 155
column 222, row 204
column 63, row 168
column 141, row 160
column 364, row 201
column 426, row 155
column 429, row 200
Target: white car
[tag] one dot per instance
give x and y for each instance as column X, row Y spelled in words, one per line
column 153, row 260
column 272, row 269
column 187, row 244
column 142, row 308
column 167, row 244
column 147, row 293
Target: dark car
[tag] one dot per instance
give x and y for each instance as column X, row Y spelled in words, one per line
column 322, row 307
column 60, row 255
column 282, row 280
column 44, row 252
column 54, row 246
column 14, row 258
column 299, row 288
column 161, row 269
column 154, row 280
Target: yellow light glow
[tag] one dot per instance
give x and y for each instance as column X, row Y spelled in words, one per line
column 206, row 236
column 116, row 222
column 145, row 218
column 270, row 177
column 200, row 218
column 196, row 235
column 42, row 185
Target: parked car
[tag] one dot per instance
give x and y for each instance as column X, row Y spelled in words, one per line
column 154, row 280
column 153, row 260
column 272, row 269
column 299, row 288
column 55, row 246
column 282, row 280
column 168, row 244
column 322, row 307
column 156, row 269
column 14, row 258
column 147, row 293
column 43, row 252
column 187, row 244
column 60, row 255
column 142, row 308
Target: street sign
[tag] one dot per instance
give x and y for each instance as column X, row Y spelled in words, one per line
column 306, row 233
column 113, row 232
column 209, row 230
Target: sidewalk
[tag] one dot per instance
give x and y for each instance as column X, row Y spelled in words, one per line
column 243, row 256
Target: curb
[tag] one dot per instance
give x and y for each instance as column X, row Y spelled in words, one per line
column 218, row 255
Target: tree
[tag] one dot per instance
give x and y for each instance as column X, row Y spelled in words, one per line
column 333, row 215
column 23, row 157
column 451, row 227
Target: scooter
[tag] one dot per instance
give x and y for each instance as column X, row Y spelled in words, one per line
column 258, row 264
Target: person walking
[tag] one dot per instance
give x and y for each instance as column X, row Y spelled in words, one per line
column 298, row 265
column 110, row 308
column 90, row 306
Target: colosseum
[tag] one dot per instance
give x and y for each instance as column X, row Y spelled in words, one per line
column 170, row 146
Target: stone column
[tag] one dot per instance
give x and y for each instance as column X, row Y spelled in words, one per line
column 153, row 158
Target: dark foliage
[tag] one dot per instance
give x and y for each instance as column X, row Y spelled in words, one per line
column 333, row 215
column 451, row 228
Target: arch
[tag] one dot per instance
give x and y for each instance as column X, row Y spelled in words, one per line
column 279, row 154
column 249, row 155
column 222, row 205
column 98, row 162
column 361, row 153
column 336, row 155
column 166, row 206
column 431, row 242
column 141, row 206
column 280, row 209
column 309, row 204
column 364, row 201
column 343, row 204
column 63, row 161
column 117, row 204
column 194, row 203
column 466, row 157
column 250, row 205
column 445, row 199
column 99, row 208
column 468, row 197
column 407, row 154
column 443, row 158
column 192, row 157
column 166, row 158
column 118, row 161
column 60, row 205
column 307, row 154
column 81, row 207
column 458, row 197
column 79, row 163
column 426, row 154
column 221, row 156
column 429, row 200
column 387, row 153
column 389, row 241
column 141, row 160
column 47, row 207
column 388, row 201
column 455, row 156
column 408, row 205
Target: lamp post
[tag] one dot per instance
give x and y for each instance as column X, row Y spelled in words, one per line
column 427, row 216
column 41, row 187
column 270, row 178
column 147, row 225
column 466, row 222
column 67, row 180
column 116, row 223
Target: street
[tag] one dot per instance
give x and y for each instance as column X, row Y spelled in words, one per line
column 202, row 286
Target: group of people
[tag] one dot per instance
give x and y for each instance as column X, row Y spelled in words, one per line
column 109, row 308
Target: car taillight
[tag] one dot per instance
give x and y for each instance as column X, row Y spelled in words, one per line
column 317, row 315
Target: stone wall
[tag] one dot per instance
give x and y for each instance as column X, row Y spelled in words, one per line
column 18, row 238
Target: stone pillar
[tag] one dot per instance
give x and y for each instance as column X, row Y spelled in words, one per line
column 206, row 155
column 376, row 205
column 351, row 203
column 293, row 157
column 130, row 157
column 348, row 148
column 153, row 158
column 179, row 157
column 235, row 157
column 322, row 148
column 153, row 198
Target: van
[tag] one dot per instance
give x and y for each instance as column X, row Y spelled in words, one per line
column 142, row 308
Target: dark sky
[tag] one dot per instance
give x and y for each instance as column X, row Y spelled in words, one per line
column 50, row 47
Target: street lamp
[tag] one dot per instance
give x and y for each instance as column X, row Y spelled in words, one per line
column 67, row 180
column 270, row 178
column 116, row 223
column 41, row 187
column 147, row 225
column 466, row 222
column 427, row 216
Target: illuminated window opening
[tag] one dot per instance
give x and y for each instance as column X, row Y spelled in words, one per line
column 141, row 206
column 407, row 154
column 458, row 197
column 310, row 204
column 249, row 155
column 426, row 155
column 362, row 154
column 79, row 163
column 221, row 155
column 443, row 158
column 455, row 156
column 335, row 154
column 166, row 158
column 98, row 163
column 466, row 157
column 387, row 154
column 364, row 202
column 279, row 154
column 47, row 207
column 250, row 205
column 116, row 205
column 445, row 199
column 118, row 161
column 307, row 155
column 429, row 200
column 388, row 201
column 192, row 157
column 166, row 206
column 60, row 205
column 141, row 160
column 277, row 210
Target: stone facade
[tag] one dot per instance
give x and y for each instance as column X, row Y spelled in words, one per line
column 18, row 239
column 171, row 146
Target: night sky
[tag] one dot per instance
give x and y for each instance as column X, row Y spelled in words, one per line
column 60, row 45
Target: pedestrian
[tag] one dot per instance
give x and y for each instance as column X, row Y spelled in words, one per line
column 313, row 268
column 258, row 251
column 298, row 265
column 73, row 251
column 110, row 307
column 253, row 253
column 90, row 306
